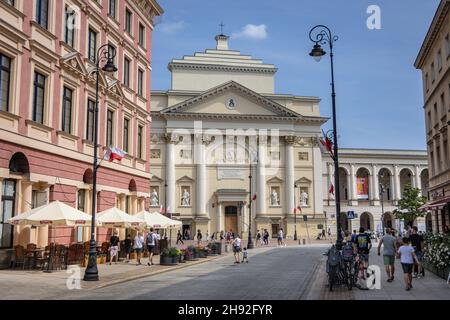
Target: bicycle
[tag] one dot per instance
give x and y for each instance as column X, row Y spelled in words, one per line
column 359, row 272
column 336, row 269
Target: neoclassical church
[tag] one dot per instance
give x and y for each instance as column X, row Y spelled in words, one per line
column 228, row 152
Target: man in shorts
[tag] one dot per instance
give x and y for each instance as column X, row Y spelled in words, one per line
column 389, row 250
column 363, row 246
column 151, row 243
column 417, row 243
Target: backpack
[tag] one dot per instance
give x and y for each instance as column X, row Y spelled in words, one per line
column 334, row 256
column 151, row 239
column 347, row 252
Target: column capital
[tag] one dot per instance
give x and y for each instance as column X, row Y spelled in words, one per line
column 290, row 139
column 205, row 139
column 172, row 138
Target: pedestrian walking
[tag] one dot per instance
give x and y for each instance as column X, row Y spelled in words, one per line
column 199, row 237
column 323, row 234
column 407, row 259
column 389, row 249
column 138, row 246
column 228, row 237
column 258, row 238
column 329, row 232
column 179, row 238
column 151, row 244
column 221, row 236
column 244, row 255
column 417, row 243
column 354, row 234
column 280, row 238
column 237, row 248
column 363, row 245
column 114, row 248
column 266, row 237
column 128, row 243
column 207, row 236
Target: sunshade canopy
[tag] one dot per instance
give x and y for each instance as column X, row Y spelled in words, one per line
column 55, row 214
column 116, row 218
column 158, row 221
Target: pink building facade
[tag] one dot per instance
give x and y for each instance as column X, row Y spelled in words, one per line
column 47, row 95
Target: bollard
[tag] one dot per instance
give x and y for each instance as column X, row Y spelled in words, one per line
column 304, row 241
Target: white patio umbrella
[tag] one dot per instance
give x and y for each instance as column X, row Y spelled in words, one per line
column 55, row 214
column 116, row 218
column 158, row 221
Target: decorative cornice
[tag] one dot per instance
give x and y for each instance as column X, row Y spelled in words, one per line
column 217, row 67
column 433, row 32
column 263, row 101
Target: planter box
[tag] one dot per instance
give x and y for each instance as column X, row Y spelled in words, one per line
column 168, row 261
column 202, row 254
column 196, row 255
column 441, row 273
column 182, row 259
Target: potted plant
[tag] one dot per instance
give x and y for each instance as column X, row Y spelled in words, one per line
column 437, row 254
column 182, row 256
column 201, row 252
column 167, row 257
column 189, row 254
column 196, row 252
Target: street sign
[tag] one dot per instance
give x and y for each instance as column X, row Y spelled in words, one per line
column 351, row 214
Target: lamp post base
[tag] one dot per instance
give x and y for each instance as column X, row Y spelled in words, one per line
column 91, row 273
column 250, row 244
column 295, row 235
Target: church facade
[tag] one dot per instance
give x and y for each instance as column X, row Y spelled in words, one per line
column 227, row 152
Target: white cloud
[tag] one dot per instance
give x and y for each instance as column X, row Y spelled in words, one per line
column 171, row 27
column 251, row 31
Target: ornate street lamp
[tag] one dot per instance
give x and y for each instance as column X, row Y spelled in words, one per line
column 321, row 35
column 250, row 240
column 104, row 53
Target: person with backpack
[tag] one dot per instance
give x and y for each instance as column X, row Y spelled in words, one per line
column 199, row 237
column 151, row 243
column 389, row 250
column 179, row 238
column 363, row 245
column 237, row 248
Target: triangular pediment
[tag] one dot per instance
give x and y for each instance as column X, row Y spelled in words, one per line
column 303, row 181
column 231, row 98
column 275, row 180
column 156, row 179
column 92, row 77
column 114, row 87
column 185, row 179
column 73, row 62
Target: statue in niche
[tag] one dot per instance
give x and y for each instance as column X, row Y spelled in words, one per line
column 304, row 198
column 154, row 199
column 185, row 199
column 274, row 198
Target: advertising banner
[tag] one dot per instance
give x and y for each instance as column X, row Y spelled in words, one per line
column 362, row 188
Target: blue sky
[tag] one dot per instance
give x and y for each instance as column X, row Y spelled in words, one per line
column 379, row 92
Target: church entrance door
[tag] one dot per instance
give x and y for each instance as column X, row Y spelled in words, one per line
column 231, row 218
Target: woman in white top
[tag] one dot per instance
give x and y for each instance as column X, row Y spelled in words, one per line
column 237, row 248
column 138, row 245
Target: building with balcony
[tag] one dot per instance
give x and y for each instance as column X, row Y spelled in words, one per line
column 434, row 62
column 48, row 52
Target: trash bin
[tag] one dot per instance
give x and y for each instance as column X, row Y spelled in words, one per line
column 227, row 248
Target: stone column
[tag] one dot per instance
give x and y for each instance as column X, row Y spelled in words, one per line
column 261, row 177
column 376, row 183
column 392, row 187
column 171, row 140
column 289, row 173
column 27, row 234
column 354, row 197
column 398, row 194
column 417, row 176
column 219, row 217
column 318, row 190
column 200, row 183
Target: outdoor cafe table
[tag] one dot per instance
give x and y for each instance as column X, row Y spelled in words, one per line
column 35, row 252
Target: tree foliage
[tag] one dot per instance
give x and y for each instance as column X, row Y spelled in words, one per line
column 408, row 206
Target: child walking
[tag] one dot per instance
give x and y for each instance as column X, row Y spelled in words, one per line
column 244, row 255
column 407, row 259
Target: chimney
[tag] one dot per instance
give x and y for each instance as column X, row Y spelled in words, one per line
column 222, row 42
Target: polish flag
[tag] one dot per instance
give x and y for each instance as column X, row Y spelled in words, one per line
column 331, row 190
column 254, row 197
column 299, row 209
column 161, row 209
column 114, row 153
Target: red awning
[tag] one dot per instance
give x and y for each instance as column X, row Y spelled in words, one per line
column 435, row 205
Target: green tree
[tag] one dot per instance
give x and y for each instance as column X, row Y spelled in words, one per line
column 408, row 206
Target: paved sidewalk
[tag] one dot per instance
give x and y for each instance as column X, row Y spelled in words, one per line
column 431, row 287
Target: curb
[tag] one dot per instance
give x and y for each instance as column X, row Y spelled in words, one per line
column 144, row 275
